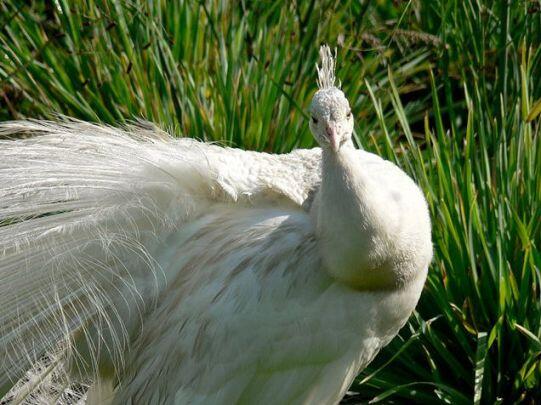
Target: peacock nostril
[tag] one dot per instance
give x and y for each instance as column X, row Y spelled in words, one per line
column 332, row 137
column 329, row 130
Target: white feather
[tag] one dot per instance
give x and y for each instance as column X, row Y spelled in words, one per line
column 169, row 270
column 82, row 208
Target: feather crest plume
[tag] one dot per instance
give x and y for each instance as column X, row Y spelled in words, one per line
column 325, row 73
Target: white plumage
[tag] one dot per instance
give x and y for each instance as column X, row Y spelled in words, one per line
column 174, row 271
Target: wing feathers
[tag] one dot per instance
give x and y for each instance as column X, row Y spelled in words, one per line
column 84, row 207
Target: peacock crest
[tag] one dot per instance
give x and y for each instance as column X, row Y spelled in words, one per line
column 325, row 72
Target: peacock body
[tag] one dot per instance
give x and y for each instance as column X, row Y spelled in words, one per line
column 174, row 271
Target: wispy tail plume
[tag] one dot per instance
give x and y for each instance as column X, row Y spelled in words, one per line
column 82, row 209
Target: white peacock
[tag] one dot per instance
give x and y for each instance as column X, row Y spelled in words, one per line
column 174, row 271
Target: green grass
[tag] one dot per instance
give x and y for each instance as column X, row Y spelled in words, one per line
column 449, row 90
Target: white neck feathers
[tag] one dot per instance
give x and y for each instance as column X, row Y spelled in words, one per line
column 359, row 231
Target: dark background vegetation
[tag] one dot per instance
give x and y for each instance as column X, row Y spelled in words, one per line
column 450, row 90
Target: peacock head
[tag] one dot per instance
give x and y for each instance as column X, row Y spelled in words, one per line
column 331, row 120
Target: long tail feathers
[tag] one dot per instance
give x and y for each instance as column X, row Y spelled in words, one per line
column 81, row 209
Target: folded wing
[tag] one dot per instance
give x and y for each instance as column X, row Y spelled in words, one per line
column 85, row 210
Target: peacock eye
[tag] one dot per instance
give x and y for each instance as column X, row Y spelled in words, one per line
column 349, row 114
column 314, row 120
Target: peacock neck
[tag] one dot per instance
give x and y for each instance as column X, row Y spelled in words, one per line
column 351, row 226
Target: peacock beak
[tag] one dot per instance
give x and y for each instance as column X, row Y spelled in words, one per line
column 332, row 135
